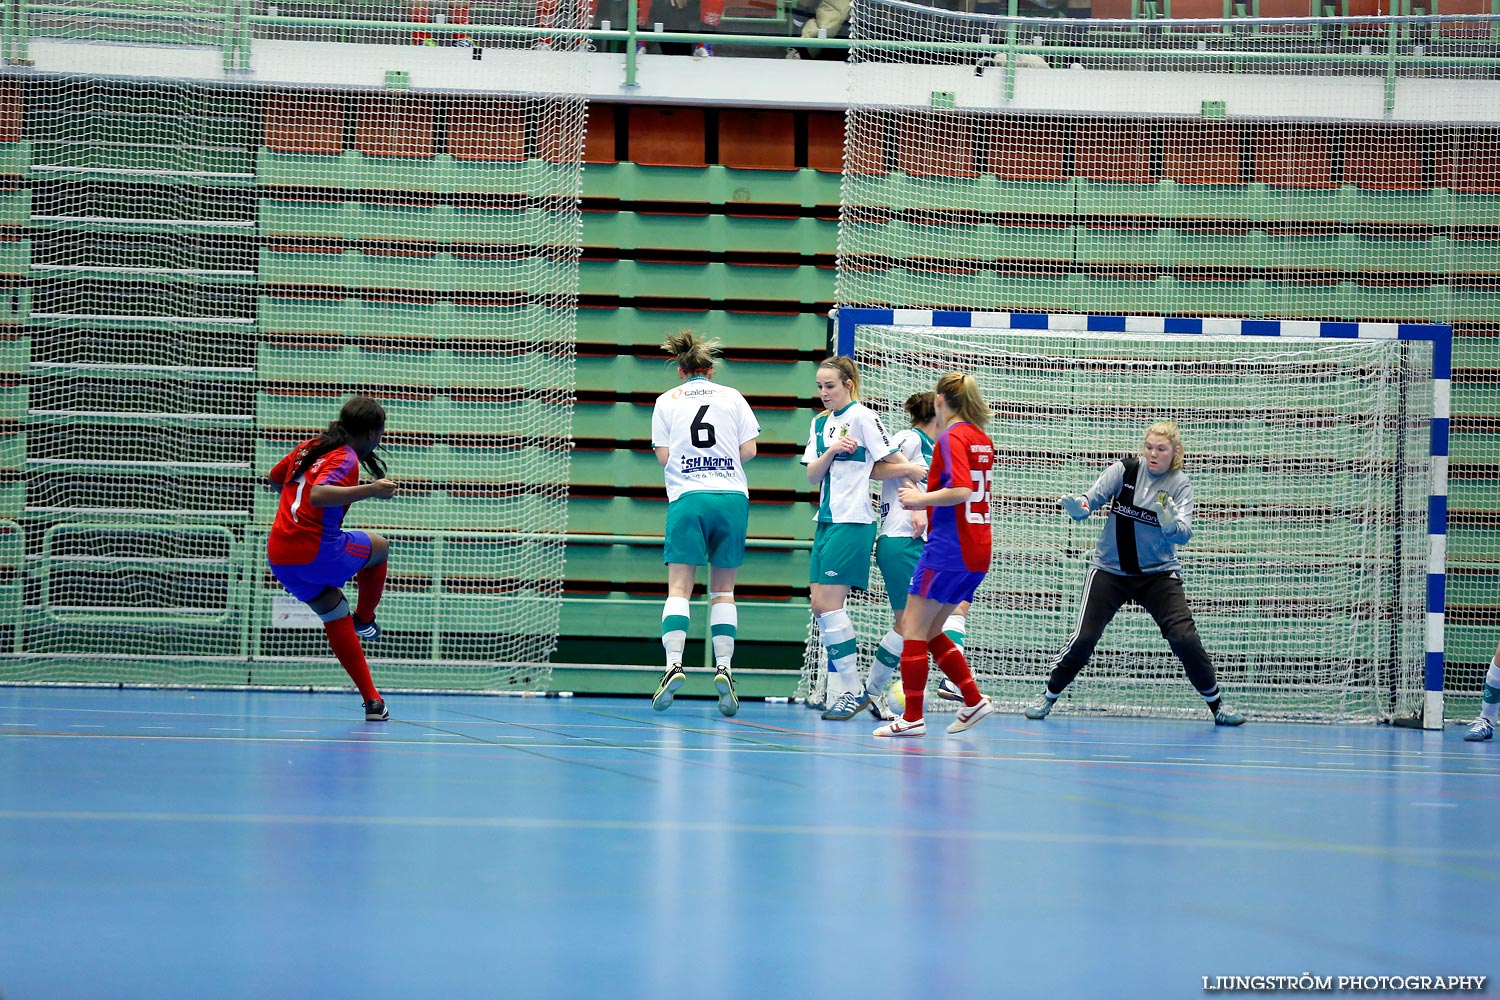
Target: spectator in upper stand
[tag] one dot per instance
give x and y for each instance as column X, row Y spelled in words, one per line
column 691, row 16
column 830, row 16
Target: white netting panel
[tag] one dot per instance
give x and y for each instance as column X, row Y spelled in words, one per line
column 202, row 273
column 1310, row 466
column 1310, row 168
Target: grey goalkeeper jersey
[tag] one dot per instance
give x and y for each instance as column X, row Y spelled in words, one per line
column 1133, row 541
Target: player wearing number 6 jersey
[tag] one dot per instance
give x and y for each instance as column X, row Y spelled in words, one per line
column 703, row 433
column 1150, row 514
column 956, row 557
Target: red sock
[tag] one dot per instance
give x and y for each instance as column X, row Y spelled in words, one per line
column 950, row 660
column 371, row 582
column 351, row 655
column 913, row 677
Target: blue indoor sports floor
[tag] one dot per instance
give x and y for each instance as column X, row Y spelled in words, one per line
column 179, row 844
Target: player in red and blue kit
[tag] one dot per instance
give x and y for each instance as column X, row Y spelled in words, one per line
column 310, row 552
column 956, row 557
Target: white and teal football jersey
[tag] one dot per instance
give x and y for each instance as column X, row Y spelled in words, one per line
column 702, row 425
column 844, row 497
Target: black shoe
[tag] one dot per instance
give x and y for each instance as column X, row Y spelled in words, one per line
column 366, row 630
column 375, row 711
column 673, row 679
column 729, row 702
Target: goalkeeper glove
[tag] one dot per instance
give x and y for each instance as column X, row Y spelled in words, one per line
column 1077, row 507
column 1166, row 514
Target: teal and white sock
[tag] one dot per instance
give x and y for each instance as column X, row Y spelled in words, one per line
column 837, row 633
column 955, row 628
column 674, row 627
column 887, row 662
column 723, row 623
column 1491, row 708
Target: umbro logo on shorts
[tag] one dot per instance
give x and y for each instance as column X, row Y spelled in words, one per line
column 832, row 572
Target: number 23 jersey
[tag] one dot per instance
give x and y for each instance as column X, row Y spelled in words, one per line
column 959, row 536
column 702, row 425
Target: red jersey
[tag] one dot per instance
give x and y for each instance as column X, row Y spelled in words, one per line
column 299, row 529
column 959, row 537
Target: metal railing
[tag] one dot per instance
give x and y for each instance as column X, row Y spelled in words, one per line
column 1388, row 45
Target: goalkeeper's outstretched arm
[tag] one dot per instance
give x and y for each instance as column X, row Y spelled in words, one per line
column 1105, row 489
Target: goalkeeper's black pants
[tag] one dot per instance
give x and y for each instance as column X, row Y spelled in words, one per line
column 1161, row 594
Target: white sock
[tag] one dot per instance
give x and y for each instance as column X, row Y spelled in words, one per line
column 955, row 628
column 674, row 627
column 723, row 622
column 887, row 662
column 837, row 633
column 1491, row 707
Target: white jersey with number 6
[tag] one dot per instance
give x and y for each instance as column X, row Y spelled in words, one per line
column 702, row 425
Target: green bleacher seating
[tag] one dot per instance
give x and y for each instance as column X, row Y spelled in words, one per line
column 977, row 242
column 1474, row 543
column 1210, row 248
column 1152, row 296
column 627, row 563
column 441, row 461
column 759, row 621
column 601, row 516
column 440, row 271
column 1147, row 247
column 290, row 410
column 15, row 257
column 711, row 185
column 1411, row 303
column 715, row 282
column 1169, row 199
column 626, row 326
column 713, row 233
column 440, row 173
column 15, row 158
column 1475, row 304
column 352, row 220
column 1475, row 208
column 140, row 142
column 1475, row 398
column 15, row 208
column 627, row 373
column 439, row 321
column 984, row 193
column 1036, row 293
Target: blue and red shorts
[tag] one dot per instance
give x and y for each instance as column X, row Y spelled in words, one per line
column 944, row 586
column 338, row 560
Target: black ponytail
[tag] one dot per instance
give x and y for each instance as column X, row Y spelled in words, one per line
column 358, row 417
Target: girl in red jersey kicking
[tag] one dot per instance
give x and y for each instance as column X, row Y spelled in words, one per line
column 955, row 558
column 309, row 550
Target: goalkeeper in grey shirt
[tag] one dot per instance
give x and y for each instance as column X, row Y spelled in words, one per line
column 1136, row 560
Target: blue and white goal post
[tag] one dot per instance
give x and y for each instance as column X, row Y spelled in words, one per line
column 1318, row 453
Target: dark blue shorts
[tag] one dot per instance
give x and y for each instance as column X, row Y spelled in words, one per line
column 945, row 586
column 339, row 559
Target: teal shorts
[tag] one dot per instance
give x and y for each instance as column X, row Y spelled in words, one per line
column 897, row 559
column 707, row 528
column 841, row 554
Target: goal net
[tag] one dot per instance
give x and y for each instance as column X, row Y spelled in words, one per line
column 1311, row 461
column 199, row 273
